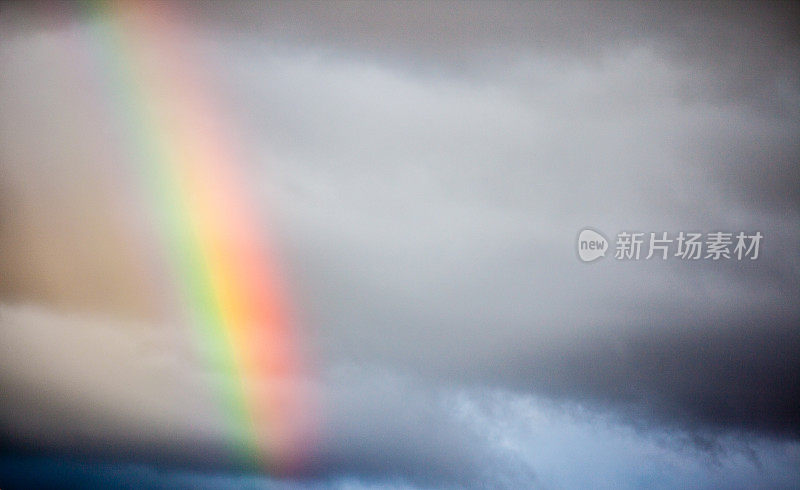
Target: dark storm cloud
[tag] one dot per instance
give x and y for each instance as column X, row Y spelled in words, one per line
column 445, row 245
column 707, row 374
column 428, row 166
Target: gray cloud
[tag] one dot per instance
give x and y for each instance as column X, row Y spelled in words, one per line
column 457, row 258
column 427, row 167
column 392, row 430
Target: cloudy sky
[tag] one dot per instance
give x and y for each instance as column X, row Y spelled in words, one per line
column 422, row 170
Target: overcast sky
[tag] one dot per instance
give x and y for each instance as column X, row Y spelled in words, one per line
column 423, row 170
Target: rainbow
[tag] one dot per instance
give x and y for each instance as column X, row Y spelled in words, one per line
column 185, row 159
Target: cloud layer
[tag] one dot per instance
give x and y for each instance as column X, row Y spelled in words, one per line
column 425, row 169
